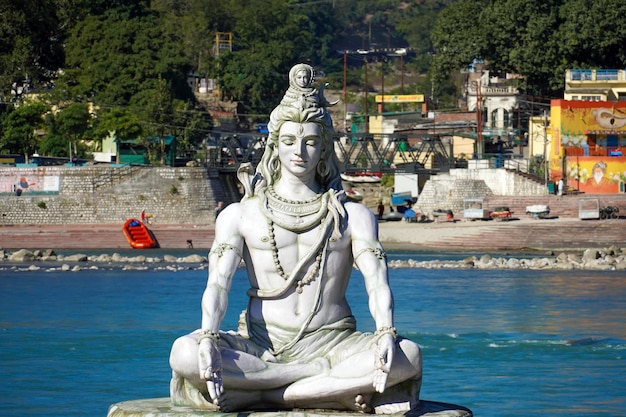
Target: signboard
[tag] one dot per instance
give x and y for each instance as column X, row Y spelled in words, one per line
column 412, row 98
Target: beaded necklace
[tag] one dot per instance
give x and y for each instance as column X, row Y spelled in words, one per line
column 276, row 204
column 311, row 273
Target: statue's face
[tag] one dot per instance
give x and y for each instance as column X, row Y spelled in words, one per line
column 302, row 78
column 299, row 147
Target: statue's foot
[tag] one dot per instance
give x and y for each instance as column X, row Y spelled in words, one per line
column 361, row 405
column 397, row 399
column 232, row 400
column 393, row 408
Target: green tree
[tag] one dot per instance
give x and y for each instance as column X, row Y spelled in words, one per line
column 160, row 115
column 125, row 124
column 112, row 58
column 54, row 144
column 195, row 126
column 457, row 38
column 30, row 46
column 411, row 24
column 269, row 39
column 194, row 23
column 73, row 123
column 522, row 40
column 539, row 40
column 593, row 33
column 19, row 129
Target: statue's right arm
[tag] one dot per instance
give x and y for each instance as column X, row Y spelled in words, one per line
column 224, row 258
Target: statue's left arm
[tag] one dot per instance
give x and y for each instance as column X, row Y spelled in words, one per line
column 370, row 258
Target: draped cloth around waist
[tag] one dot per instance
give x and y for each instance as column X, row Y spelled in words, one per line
column 335, row 341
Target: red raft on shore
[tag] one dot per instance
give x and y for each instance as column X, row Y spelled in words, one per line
column 138, row 235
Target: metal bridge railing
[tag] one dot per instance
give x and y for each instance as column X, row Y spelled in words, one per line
column 355, row 151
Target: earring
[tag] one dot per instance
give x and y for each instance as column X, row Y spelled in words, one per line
column 322, row 168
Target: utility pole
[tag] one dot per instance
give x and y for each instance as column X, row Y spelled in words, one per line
column 345, row 90
column 366, row 109
column 479, row 120
column 382, row 83
column 545, row 146
column 519, row 126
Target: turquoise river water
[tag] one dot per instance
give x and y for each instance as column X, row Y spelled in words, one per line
column 502, row 343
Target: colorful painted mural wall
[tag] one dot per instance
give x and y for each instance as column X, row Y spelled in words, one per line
column 589, row 145
column 12, row 183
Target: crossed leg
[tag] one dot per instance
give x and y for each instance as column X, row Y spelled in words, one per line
column 251, row 383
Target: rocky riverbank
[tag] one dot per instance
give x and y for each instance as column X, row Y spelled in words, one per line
column 609, row 259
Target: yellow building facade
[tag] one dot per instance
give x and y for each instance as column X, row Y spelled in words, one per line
column 588, row 146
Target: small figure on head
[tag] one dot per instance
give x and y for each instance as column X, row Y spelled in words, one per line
column 301, row 93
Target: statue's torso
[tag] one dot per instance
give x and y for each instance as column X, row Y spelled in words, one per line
column 290, row 310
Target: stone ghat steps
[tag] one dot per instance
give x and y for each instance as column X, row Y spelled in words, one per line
column 89, row 236
column 542, row 235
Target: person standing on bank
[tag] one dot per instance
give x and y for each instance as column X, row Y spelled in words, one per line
column 219, row 208
column 297, row 345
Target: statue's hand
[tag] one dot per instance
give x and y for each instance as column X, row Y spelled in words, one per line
column 210, row 363
column 383, row 357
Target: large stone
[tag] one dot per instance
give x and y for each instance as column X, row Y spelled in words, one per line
column 161, row 407
column 78, row 257
column 22, row 255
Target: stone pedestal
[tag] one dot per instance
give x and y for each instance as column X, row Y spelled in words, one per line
column 161, row 407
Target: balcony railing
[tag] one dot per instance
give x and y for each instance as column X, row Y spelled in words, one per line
column 596, row 75
column 594, row 151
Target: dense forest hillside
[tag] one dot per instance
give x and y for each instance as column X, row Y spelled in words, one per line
column 122, row 65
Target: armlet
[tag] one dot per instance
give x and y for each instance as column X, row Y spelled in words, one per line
column 220, row 249
column 377, row 251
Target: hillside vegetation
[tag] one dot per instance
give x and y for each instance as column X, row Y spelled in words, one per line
column 131, row 58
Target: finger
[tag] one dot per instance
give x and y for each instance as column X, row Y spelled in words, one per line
column 213, row 390
column 390, row 355
column 380, row 380
column 386, row 367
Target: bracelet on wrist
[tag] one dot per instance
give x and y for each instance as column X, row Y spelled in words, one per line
column 208, row 334
column 381, row 331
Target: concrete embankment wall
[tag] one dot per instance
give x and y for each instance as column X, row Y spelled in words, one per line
column 107, row 195
column 447, row 191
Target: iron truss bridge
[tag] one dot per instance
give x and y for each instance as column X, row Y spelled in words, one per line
column 425, row 154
